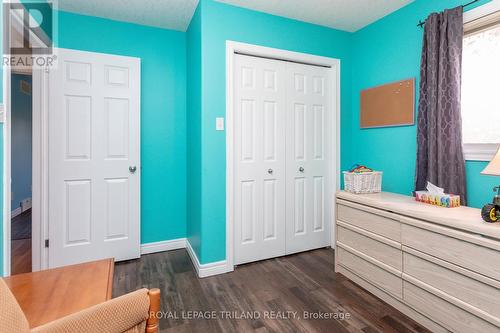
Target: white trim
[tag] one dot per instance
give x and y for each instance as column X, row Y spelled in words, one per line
column 255, row 50
column 483, row 10
column 202, row 270
column 205, row 270
column 6, row 171
column 16, row 212
column 480, row 151
column 27, row 206
column 2, row 114
column 162, row 246
column 39, row 194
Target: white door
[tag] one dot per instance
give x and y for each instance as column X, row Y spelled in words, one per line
column 94, row 158
column 259, row 151
column 309, row 142
column 281, row 154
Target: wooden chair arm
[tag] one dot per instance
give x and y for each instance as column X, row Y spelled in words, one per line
column 154, row 307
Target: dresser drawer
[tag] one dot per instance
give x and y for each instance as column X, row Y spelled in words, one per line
column 483, row 296
column 443, row 312
column 378, row 250
column 371, row 221
column 476, row 258
column 372, row 273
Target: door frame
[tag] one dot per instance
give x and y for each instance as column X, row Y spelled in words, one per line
column 37, row 234
column 39, row 192
column 333, row 64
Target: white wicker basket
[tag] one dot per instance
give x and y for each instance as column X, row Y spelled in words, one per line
column 365, row 182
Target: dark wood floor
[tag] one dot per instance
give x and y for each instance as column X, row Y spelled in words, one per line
column 21, row 243
column 297, row 283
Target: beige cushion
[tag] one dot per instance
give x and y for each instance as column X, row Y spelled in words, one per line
column 12, row 318
column 127, row 313
column 140, row 328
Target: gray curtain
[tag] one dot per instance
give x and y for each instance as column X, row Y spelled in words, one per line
column 440, row 157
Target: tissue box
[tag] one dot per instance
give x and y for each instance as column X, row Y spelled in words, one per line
column 443, row 200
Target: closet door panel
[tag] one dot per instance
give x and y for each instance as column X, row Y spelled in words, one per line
column 259, row 151
column 307, row 157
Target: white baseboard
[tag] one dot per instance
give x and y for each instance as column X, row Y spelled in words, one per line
column 16, row 212
column 205, row 270
column 168, row 245
column 26, row 204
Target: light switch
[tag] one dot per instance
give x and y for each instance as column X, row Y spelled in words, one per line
column 219, row 124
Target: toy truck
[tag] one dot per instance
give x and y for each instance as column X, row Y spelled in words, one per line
column 491, row 212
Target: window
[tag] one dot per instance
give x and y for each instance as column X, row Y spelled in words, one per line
column 481, row 88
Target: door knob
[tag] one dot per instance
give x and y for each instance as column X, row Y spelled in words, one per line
column 270, row 171
column 132, row 169
column 301, row 169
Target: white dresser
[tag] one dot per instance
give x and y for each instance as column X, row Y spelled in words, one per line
column 440, row 266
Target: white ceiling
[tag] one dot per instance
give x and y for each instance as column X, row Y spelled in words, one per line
column 349, row 15
column 168, row 14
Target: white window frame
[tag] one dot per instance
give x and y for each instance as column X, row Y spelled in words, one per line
column 480, row 151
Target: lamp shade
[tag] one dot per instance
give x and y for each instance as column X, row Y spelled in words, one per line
column 493, row 168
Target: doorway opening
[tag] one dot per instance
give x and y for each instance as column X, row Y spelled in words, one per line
column 22, row 250
column 21, row 172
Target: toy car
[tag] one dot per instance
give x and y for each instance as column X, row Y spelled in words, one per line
column 491, row 212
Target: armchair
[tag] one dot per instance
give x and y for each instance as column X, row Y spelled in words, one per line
column 130, row 313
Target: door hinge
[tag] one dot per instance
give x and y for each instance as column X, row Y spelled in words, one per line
column 46, row 243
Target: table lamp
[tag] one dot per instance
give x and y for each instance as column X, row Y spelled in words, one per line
column 491, row 212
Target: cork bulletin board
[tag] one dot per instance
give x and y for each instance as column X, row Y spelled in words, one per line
column 391, row 104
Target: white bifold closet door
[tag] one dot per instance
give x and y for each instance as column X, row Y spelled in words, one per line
column 260, row 124
column 308, row 139
column 281, row 154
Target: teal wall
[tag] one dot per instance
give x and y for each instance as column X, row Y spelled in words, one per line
column 385, row 51
column 183, row 91
column 194, row 108
column 222, row 22
column 163, row 112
